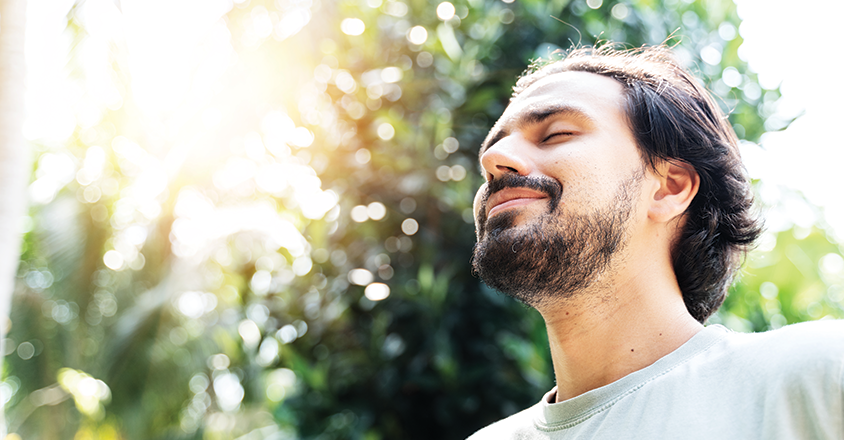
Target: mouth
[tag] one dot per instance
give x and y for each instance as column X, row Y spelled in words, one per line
column 510, row 198
column 502, row 197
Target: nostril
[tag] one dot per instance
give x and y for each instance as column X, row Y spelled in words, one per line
column 508, row 169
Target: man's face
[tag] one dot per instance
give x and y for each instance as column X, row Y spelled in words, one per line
column 563, row 184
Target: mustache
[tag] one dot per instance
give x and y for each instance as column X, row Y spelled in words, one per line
column 551, row 187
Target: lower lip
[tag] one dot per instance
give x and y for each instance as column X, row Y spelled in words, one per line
column 511, row 204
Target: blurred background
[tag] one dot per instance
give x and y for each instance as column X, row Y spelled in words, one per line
column 252, row 219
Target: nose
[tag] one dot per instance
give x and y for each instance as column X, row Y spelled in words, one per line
column 508, row 155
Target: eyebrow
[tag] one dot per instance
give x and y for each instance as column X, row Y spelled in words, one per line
column 537, row 116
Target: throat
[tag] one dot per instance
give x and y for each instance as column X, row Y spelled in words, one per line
column 593, row 344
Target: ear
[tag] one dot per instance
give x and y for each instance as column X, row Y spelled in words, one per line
column 678, row 185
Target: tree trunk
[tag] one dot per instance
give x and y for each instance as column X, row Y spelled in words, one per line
column 14, row 163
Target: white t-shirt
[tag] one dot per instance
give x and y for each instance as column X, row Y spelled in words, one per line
column 781, row 384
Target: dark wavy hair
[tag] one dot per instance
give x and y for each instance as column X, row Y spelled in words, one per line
column 674, row 118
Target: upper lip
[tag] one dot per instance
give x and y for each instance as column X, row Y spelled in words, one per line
column 508, row 194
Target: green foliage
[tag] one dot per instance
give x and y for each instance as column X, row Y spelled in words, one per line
column 216, row 306
column 793, row 276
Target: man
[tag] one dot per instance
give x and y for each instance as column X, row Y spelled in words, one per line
column 616, row 204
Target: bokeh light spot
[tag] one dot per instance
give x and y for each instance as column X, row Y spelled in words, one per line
column 377, row 291
column 396, row 9
column 352, row 26
column 267, row 353
column 260, row 283
column 832, row 263
column 287, row 334
column 302, row 265
column 409, row 226
column 450, row 145
column 279, row 383
column 458, row 173
column 711, row 54
column 386, row 131
column 376, row 210
column 731, row 77
column 620, row 11
column 250, row 332
column 727, row 31
column 345, row 82
column 417, row 35
column 26, row 350
column 229, row 391
column 391, row 74
column 113, row 260
column 191, row 304
column 363, row 156
column 443, row 173
column 769, row 290
column 359, row 213
column 424, row 59
column 445, row 11
column 360, row 277
column 407, row 205
column 506, row 16
column 218, row 361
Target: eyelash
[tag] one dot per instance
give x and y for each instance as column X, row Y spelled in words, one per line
column 561, row 133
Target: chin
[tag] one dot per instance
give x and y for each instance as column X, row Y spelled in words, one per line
column 551, row 257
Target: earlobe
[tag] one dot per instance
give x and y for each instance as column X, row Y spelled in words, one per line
column 678, row 185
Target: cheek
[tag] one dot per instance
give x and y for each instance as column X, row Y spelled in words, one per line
column 479, row 196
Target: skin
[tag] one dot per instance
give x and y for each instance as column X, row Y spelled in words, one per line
column 571, row 127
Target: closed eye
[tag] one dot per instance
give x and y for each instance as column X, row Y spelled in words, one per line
column 553, row 135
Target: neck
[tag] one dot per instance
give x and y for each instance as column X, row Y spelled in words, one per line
column 600, row 336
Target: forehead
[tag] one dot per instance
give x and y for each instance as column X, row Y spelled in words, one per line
column 572, row 86
column 589, row 96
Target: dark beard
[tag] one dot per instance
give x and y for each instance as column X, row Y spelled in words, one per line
column 556, row 255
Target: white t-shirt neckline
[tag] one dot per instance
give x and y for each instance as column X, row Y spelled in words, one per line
column 578, row 409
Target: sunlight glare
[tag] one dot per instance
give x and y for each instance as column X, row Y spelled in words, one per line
column 302, row 137
column 271, row 178
column 55, row 170
column 236, row 171
column 292, row 22
column 317, row 203
column 199, row 224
